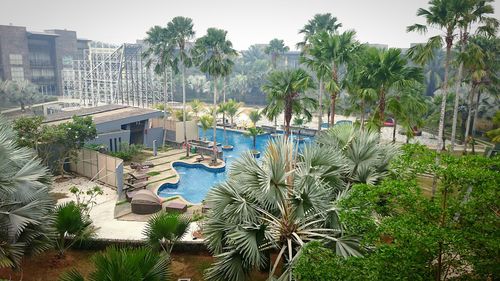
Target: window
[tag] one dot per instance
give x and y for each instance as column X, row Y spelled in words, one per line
column 120, row 143
column 116, row 147
column 17, row 73
column 16, row 59
column 110, row 145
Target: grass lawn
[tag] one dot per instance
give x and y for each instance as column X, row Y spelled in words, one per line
column 46, row 267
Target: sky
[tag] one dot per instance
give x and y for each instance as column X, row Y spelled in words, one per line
column 247, row 22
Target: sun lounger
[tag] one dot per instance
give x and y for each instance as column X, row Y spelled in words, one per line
column 176, row 207
column 136, row 185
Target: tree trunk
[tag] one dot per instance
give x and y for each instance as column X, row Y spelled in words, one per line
column 224, row 112
column 469, row 116
column 320, row 101
column 457, row 96
column 381, row 107
column 214, row 147
column 476, row 116
column 332, row 109
column 362, row 105
column 449, row 43
column 165, row 93
column 22, row 106
column 288, row 114
column 394, row 131
column 184, row 113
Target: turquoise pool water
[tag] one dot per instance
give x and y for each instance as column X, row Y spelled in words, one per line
column 195, row 182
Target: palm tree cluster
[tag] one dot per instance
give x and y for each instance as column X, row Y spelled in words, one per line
column 288, row 199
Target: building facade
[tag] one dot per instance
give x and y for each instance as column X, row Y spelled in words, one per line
column 38, row 57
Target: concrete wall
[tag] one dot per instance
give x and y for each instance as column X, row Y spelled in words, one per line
column 191, row 131
column 153, row 134
column 13, row 40
column 103, row 139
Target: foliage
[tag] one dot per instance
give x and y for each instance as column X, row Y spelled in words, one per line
column 255, row 116
column 125, row 265
column 128, row 151
column 85, row 200
column 72, row 225
column 29, row 130
column 276, row 48
column 319, row 23
column 253, row 132
column 25, row 204
column 23, row 93
column 283, row 201
column 206, row 122
column 163, row 230
column 196, row 106
column 494, row 134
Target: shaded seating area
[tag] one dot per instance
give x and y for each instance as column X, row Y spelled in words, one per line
column 145, row 202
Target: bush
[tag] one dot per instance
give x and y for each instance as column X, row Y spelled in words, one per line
column 128, row 151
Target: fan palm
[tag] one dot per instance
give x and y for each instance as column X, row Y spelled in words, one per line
column 71, row 226
column 472, row 13
column 320, row 22
column 159, row 53
column 285, row 90
column 125, row 265
column 253, row 132
column 232, row 109
column 213, row 54
column 274, row 205
column 163, row 230
column 25, row 204
column 276, row 48
column 181, row 30
column 206, row 122
column 444, row 15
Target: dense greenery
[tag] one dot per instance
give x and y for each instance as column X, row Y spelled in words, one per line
column 25, row 205
column 21, row 93
column 127, row 151
column 413, row 237
column 164, row 230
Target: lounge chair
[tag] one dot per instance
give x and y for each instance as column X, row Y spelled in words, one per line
column 176, row 207
column 200, row 159
column 145, row 202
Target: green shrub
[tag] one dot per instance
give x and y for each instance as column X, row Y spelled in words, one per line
column 127, row 151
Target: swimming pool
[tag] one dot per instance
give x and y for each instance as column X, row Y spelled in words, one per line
column 195, row 182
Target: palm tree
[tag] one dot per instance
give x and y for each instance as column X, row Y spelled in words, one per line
column 388, row 70
column 473, row 12
column 253, row 132
column 275, row 49
column 160, row 54
column 320, row 22
column 206, row 122
column 213, row 54
column 287, row 199
column 337, row 50
column 125, row 264
column 181, row 30
column 25, row 206
column 196, row 106
column 71, row 226
column 444, row 15
column 255, row 116
column 232, row 109
column 163, row 230
column 286, row 90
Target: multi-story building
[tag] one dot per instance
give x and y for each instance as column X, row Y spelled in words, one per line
column 38, row 56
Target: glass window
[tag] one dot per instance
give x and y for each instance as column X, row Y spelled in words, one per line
column 17, row 73
column 16, row 59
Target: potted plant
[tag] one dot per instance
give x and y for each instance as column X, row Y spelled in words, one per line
column 254, row 132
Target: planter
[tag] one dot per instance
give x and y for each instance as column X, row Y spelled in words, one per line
column 255, row 153
column 227, row 147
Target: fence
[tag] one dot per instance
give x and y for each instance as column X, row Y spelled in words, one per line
column 98, row 166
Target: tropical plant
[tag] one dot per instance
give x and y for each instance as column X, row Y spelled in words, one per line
column 163, row 230
column 159, row 53
column 277, row 204
column 472, row 13
column 125, row 264
column 181, row 30
column 255, row 116
column 319, row 23
column 72, row 225
column 494, row 134
column 179, row 115
column 213, row 54
column 232, row 109
column 206, row 122
column 253, row 132
column 23, row 93
column 86, row 200
column 275, row 49
column 443, row 15
column 25, row 204
column 286, row 91
column 196, row 106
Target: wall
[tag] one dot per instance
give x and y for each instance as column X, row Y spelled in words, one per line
column 103, row 138
column 98, row 166
column 13, row 40
column 153, row 134
column 191, row 131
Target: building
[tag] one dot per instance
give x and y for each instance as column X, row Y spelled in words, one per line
column 38, row 57
column 117, row 124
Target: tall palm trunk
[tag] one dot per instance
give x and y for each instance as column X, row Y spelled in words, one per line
column 184, row 113
column 165, row 92
column 224, row 112
column 320, row 101
column 381, row 106
column 442, row 114
column 457, row 96
column 333, row 98
column 469, row 116
column 288, row 113
column 474, row 121
column 214, row 147
column 362, row 105
column 394, row 131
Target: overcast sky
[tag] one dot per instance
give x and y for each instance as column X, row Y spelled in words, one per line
column 247, row 22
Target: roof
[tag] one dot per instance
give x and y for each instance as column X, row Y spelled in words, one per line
column 42, row 33
column 101, row 114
